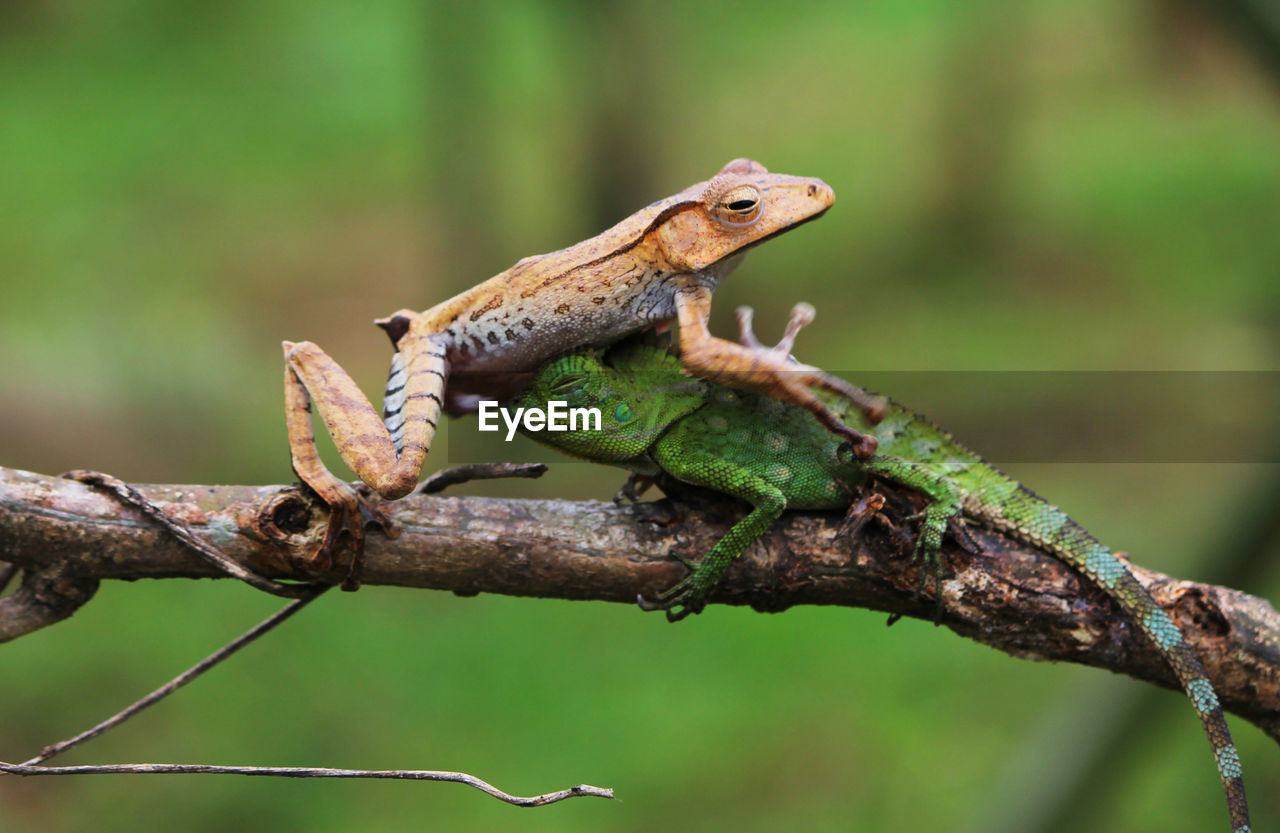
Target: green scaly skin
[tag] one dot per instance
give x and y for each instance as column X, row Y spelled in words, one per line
column 659, row 423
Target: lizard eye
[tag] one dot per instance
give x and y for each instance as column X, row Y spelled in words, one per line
column 567, row 384
column 739, row 206
column 623, row 412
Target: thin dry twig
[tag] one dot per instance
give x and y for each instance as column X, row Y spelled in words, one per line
column 585, row 790
column 304, row 594
column 442, row 480
column 177, row 682
column 132, row 497
column 33, row 766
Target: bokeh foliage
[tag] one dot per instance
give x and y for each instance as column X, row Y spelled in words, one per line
column 1088, row 185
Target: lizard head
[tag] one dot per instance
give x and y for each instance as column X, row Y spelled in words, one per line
column 739, row 207
column 634, row 406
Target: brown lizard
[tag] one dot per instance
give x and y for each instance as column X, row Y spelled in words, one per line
column 659, row 264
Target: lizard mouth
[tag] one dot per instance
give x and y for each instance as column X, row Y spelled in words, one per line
column 815, row 215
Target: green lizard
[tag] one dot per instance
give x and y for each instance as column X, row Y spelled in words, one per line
column 660, row 424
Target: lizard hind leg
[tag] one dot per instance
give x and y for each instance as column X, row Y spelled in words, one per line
column 928, row 551
column 675, row 454
column 349, row 511
column 941, row 512
column 388, row 460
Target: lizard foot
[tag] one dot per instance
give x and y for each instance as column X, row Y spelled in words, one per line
column 685, row 597
column 677, row 605
column 960, row 532
column 630, row 492
column 799, row 377
column 351, row 511
column 938, row 517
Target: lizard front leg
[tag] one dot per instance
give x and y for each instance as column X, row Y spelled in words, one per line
column 770, row 371
column 362, row 438
column 680, row 457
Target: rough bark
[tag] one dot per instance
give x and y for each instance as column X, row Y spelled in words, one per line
column 66, row 537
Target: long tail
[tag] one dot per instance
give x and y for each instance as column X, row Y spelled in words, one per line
column 1043, row 525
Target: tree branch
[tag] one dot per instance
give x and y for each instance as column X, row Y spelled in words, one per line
column 1013, row 597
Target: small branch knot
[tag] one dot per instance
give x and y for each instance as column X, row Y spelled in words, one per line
column 44, row 597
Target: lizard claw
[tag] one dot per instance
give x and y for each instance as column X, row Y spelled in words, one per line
column 790, row 380
column 682, row 599
column 674, row 608
column 859, row 446
column 630, row 492
column 960, row 532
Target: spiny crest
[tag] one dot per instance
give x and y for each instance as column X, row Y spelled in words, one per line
column 575, row 363
column 579, row 361
column 657, row 376
column 645, row 355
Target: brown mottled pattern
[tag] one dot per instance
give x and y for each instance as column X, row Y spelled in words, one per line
column 492, row 304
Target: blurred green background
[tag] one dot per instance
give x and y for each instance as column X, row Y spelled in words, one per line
column 1052, row 186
